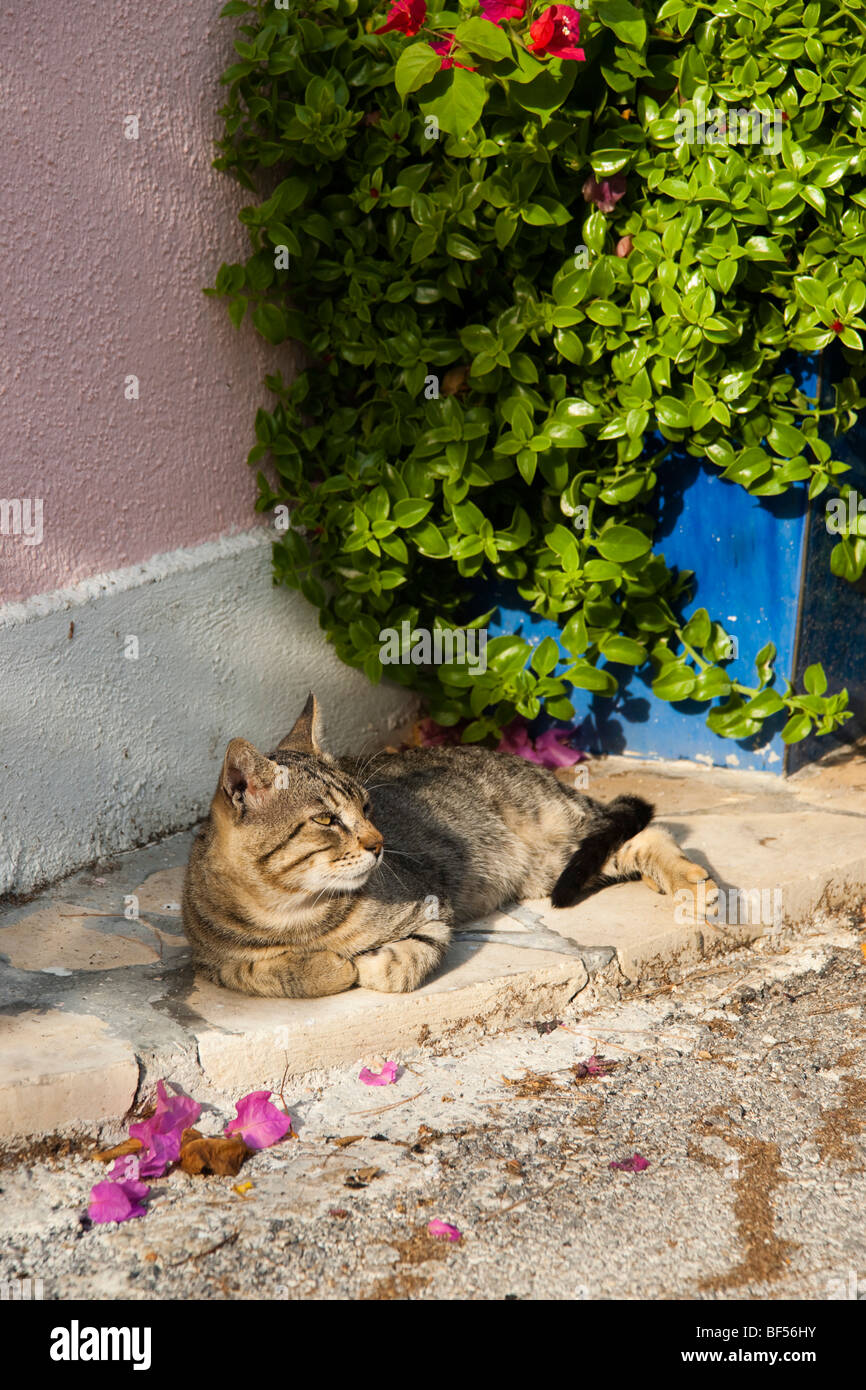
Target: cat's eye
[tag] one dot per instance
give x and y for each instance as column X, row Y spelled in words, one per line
column 325, row 819
column 366, row 808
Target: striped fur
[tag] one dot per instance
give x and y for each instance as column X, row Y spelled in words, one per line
column 278, row 903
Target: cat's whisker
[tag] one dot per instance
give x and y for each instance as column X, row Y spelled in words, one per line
column 391, row 870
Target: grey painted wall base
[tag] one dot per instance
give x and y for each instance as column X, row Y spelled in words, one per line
column 112, row 731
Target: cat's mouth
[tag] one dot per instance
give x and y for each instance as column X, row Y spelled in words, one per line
column 355, row 875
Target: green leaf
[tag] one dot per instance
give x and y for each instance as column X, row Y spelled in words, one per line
column 626, row 22
column 766, row 703
column 545, row 658
column 622, row 543
column 461, row 247
column 672, row 412
column 624, row 650
column 674, row 682
column 574, row 636
column 587, row 677
column 457, row 101
column 430, row 541
column 797, row 728
column 815, row 680
column 697, row 630
column 410, row 511
column 270, row 321
column 416, row 66
column 483, row 38
column 711, row 684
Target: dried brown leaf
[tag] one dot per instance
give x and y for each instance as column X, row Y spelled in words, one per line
column 220, row 1156
column 129, row 1146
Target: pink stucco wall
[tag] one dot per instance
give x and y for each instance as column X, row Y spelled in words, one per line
column 105, row 243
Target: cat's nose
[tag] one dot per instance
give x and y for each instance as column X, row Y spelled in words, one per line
column 372, row 840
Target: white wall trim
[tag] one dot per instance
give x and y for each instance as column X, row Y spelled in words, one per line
column 119, row 581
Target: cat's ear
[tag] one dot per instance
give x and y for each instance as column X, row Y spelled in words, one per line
column 248, row 777
column 304, row 737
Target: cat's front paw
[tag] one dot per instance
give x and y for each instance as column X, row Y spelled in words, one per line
column 403, row 965
column 388, row 970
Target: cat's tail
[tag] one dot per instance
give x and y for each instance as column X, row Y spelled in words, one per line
column 612, row 824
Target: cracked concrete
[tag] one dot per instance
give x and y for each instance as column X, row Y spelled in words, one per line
column 98, row 997
column 738, row 1085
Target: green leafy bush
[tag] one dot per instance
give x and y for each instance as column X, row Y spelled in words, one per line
column 519, row 282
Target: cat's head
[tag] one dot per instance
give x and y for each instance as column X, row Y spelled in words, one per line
column 294, row 821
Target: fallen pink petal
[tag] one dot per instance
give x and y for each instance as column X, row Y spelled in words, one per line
column 129, row 1167
column 594, row 1066
column 116, row 1201
column 161, row 1151
column 160, row 1135
column 259, row 1122
column 636, row 1164
column 385, row 1077
column 442, row 1231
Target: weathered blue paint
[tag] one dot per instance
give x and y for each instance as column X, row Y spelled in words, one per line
column 762, row 570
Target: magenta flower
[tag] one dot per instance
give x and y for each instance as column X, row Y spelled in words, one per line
column 593, row 1066
column 497, row 10
column 551, row 749
column 258, row 1121
column 429, row 734
column 554, row 750
column 555, row 34
column 128, row 1167
column 442, row 1231
column 116, row 1201
column 635, row 1164
column 379, row 1078
column 515, row 739
column 605, row 194
column 446, row 47
column 406, row 17
column 161, row 1135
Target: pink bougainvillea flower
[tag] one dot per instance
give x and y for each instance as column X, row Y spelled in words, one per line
column 116, row 1201
column 428, row 734
column 379, row 1078
column 446, row 47
column 161, row 1134
column 442, row 1231
column 593, row 1066
column 258, row 1121
column 635, row 1164
column 129, row 1167
column 515, row 739
column 406, row 17
column 550, row 749
column 624, row 247
column 556, row 33
column 497, row 10
column 553, row 749
column 605, row 194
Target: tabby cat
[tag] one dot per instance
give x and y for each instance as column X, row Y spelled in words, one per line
column 305, row 880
